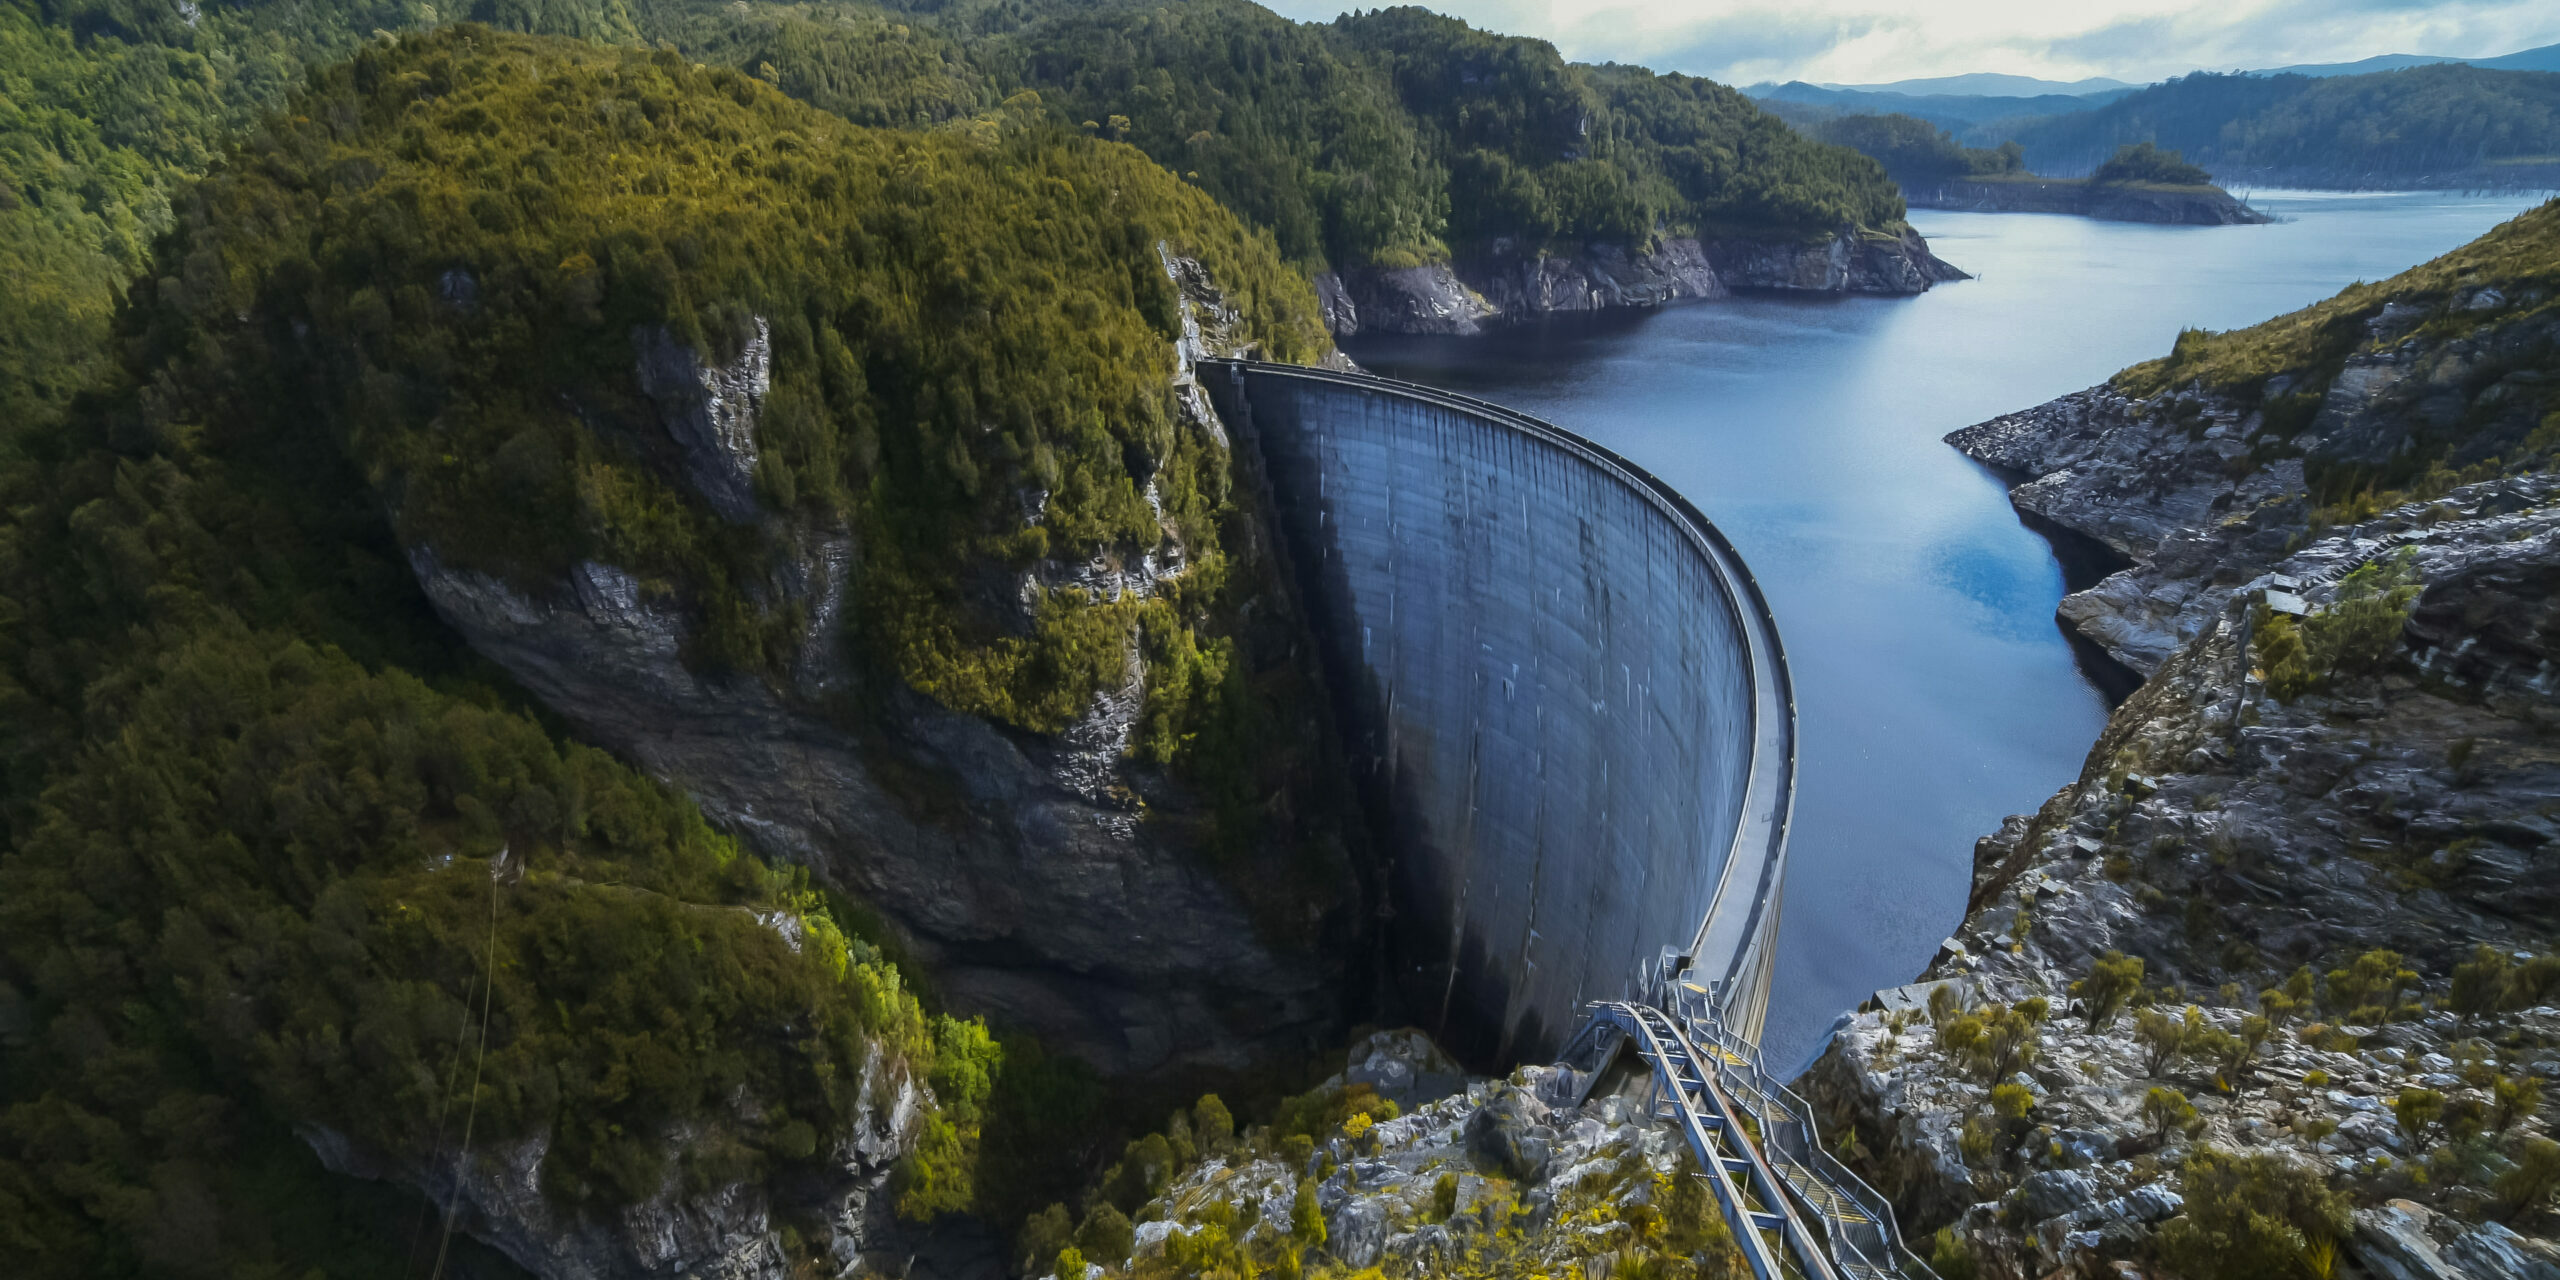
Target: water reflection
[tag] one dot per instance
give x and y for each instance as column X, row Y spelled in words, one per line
column 1935, row 690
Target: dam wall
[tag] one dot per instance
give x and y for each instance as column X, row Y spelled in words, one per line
column 1561, row 694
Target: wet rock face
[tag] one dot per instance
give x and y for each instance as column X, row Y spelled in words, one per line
column 1016, row 865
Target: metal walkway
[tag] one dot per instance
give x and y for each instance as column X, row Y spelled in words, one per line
column 1796, row 1212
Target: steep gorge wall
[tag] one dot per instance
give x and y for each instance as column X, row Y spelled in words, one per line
column 1563, row 697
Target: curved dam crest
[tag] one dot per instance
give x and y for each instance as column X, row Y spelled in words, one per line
column 1563, row 699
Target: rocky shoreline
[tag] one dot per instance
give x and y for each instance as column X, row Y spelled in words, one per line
column 2293, row 935
column 2112, row 202
column 1510, row 282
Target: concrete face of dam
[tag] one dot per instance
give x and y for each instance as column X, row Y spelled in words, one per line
column 1562, row 697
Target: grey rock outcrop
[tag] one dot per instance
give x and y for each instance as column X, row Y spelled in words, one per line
column 2226, row 835
column 1849, row 261
column 729, row 1231
column 710, row 410
column 1600, row 1165
column 1016, row 866
column 1508, row 281
column 2203, row 492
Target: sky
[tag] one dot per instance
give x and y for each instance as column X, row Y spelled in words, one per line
column 1872, row 41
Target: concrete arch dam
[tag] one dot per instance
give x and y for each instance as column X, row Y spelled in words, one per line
column 1561, row 692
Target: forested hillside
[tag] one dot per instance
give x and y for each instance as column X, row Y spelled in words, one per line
column 270, row 828
column 304, row 296
column 1352, row 142
column 2435, row 126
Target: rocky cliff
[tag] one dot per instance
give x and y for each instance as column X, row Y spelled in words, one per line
column 733, row 1230
column 2112, row 202
column 1508, row 281
column 2288, row 942
column 1047, row 880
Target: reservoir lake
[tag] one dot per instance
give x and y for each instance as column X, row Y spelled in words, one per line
column 1935, row 691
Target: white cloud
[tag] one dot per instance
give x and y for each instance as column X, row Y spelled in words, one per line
column 1862, row 41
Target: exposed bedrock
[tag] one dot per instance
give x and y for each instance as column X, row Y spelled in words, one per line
column 730, row 1229
column 2201, row 492
column 1018, row 866
column 1508, row 281
column 1548, row 684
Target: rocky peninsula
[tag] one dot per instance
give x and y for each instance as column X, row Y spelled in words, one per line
column 2191, row 206
column 2270, row 988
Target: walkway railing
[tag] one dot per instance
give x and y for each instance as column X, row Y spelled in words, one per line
column 1795, row 1210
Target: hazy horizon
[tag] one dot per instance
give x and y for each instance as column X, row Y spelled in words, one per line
column 1867, row 42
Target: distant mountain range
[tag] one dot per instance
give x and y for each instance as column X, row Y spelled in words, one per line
column 2405, row 121
column 1985, row 84
column 2546, row 58
column 1985, row 95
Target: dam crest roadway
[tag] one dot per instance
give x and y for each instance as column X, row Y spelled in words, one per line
column 1566, row 707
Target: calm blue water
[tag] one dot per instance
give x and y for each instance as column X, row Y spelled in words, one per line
column 1936, row 692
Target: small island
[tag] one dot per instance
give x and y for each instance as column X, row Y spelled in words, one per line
column 2140, row 183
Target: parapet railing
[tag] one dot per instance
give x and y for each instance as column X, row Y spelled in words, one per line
column 1736, row 929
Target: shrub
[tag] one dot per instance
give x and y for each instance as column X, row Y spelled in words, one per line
column 2535, row 1175
column 1306, row 1218
column 2112, row 979
column 2256, row 1217
column 2482, row 984
column 2167, row 1111
column 1043, row 1234
column 2418, row 1111
column 1106, row 1235
column 2513, row 1099
column 2165, row 1036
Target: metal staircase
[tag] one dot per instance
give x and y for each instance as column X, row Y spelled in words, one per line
column 1794, row 1209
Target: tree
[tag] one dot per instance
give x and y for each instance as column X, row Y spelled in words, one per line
column 2418, row 1111
column 1071, row 1264
column 2255, row 1217
column 2165, row 1110
column 2111, row 981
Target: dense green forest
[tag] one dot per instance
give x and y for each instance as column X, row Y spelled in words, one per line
column 270, row 831
column 1915, row 152
column 1392, row 138
column 278, row 847
column 2445, row 122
